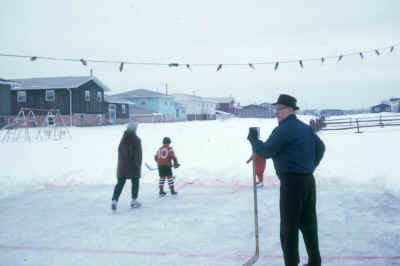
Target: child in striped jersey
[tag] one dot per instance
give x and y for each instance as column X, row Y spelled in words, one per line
column 164, row 157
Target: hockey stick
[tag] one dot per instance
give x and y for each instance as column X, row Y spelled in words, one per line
column 150, row 168
column 254, row 258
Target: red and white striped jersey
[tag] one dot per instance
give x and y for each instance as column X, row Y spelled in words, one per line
column 165, row 155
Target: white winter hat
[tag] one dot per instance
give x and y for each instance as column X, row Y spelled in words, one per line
column 132, row 127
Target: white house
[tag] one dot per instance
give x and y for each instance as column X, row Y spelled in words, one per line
column 197, row 108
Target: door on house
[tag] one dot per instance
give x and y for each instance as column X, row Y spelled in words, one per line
column 112, row 112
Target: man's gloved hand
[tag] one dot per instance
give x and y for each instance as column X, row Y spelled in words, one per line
column 253, row 134
column 176, row 165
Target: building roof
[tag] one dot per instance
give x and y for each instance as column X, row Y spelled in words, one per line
column 6, row 81
column 55, row 83
column 138, row 93
column 222, row 99
column 109, row 99
column 254, row 106
column 180, row 97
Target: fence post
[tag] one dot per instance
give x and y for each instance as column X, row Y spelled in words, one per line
column 380, row 120
column 358, row 127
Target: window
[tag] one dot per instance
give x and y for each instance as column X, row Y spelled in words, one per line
column 123, row 108
column 50, row 96
column 21, row 96
column 99, row 97
column 87, row 95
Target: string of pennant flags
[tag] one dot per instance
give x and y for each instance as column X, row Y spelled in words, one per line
column 252, row 66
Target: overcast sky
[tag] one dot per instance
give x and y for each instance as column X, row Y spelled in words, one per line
column 213, row 32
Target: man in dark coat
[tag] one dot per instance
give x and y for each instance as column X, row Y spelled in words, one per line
column 129, row 165
column 296, row 151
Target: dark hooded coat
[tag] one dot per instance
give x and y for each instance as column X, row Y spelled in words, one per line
column 129, row 156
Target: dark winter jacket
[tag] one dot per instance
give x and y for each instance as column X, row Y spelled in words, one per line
column 129, row 156
column 293, row 146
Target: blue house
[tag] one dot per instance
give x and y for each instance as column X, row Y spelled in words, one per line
column 154, row 102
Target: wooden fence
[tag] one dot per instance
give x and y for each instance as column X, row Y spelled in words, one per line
column 361, row 122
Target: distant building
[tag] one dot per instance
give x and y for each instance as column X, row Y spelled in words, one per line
column 197, row 108
column 117, row 111
column 331, row 112
column 270, row 107
column 5, row 101
column 255, row 111
column 383, row 107
column 395, row 104
column 80, row 100
column 154, row 102
column 226, row 104
column 312, row 112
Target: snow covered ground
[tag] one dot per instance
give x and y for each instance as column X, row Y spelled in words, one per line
column 55, row 199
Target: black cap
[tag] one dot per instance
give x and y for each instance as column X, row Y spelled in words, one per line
column 166, row 140
column 288, row 101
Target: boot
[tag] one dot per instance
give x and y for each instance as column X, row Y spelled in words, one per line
column 173, row 192
column 162, row 193
column 135, row 204
column 114, row 204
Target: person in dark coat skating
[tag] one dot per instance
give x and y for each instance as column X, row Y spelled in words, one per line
column 296, row 151
column 129, row 165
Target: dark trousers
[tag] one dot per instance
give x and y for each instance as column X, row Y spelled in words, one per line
column 298, row 212
column 120, row 185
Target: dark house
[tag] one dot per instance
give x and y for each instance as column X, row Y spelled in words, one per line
column 381, row 108
column 256, row 111
column 5, row 101
column 80, row 100
column 116, row 111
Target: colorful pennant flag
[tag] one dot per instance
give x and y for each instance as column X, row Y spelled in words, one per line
column 121, row 67
column 83, row 61
column 276, row 66
column 252, row 66
column 219, row 67
column 33, row 58
column 301, row 63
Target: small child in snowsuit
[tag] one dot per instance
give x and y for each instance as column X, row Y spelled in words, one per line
column 164, row 157
column 261, row 163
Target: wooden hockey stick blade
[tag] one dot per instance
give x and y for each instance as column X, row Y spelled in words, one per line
column 251, row 261
column 149, row 167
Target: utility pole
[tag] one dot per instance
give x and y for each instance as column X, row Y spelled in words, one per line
column 70, row 107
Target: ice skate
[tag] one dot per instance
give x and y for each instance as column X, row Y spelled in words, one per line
column 135, row 204
column 114, row 204
column 162, row 192
column 173, row 192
